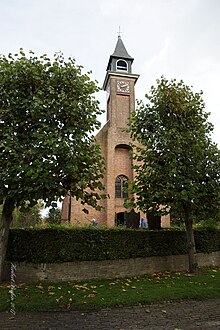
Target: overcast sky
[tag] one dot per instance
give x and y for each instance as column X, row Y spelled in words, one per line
column 176, row 38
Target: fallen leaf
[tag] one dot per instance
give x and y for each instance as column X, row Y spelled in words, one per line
column 60, row 298
column 50, row 287
column 78, row 287
column 91, row 295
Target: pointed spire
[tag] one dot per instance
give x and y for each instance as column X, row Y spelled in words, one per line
column 119, row 64
column 120, row 50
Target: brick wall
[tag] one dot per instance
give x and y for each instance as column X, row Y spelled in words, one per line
column 85, row 270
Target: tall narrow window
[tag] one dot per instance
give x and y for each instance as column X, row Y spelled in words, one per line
column 121, row 184
column 122, row 65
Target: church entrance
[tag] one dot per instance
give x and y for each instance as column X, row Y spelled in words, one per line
column 129, row 219
column 120, row 219
column 132, row 219
column 154, row 221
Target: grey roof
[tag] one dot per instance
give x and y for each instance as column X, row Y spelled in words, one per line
column 120, row 50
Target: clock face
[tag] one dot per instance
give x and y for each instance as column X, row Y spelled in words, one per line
column 123, row 86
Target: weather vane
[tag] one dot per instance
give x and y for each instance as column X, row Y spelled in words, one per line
column 119, row 31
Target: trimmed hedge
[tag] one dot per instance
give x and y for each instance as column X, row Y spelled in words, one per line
column 78, row 244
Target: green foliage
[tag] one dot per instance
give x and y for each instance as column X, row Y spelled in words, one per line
column 53, row 216
column 207, row 240
column 65, row 245
column 48, row 113
column 177, row 164
column 27, row 217
column 210, row 223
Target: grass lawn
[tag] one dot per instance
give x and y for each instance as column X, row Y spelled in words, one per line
column 113, row 292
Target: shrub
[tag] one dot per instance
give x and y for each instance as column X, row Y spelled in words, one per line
column 209, row 223
column 64, row 244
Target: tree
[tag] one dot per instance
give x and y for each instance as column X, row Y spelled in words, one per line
column 177, row 164
column 28, row 216
column 48, row 114
column 53, row 216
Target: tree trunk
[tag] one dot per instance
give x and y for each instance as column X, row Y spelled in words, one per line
column 193, row 264
column 6, row 220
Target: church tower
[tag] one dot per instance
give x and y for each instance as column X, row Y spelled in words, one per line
column 119, row 85
column 114, row 141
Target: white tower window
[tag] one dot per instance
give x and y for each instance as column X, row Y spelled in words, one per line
column 121, row 65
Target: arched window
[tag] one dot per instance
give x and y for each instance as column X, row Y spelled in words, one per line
column 121, row 183
column 122, row 65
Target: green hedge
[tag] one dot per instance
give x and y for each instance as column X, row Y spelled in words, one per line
column 62, row 245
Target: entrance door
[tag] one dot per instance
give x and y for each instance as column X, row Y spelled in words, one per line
column 154, row 221
column 132, row 219
column 129, row 219
column 120, row 219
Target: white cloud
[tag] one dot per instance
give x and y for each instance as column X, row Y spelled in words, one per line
column 122, row 8
column 160, row 57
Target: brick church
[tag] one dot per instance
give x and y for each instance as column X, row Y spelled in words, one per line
column 119, row 85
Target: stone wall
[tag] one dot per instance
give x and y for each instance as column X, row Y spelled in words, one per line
column 85, row 270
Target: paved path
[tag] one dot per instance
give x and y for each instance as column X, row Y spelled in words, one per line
column 185, row 315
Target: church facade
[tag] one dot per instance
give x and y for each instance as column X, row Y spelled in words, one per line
column 114, row 142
